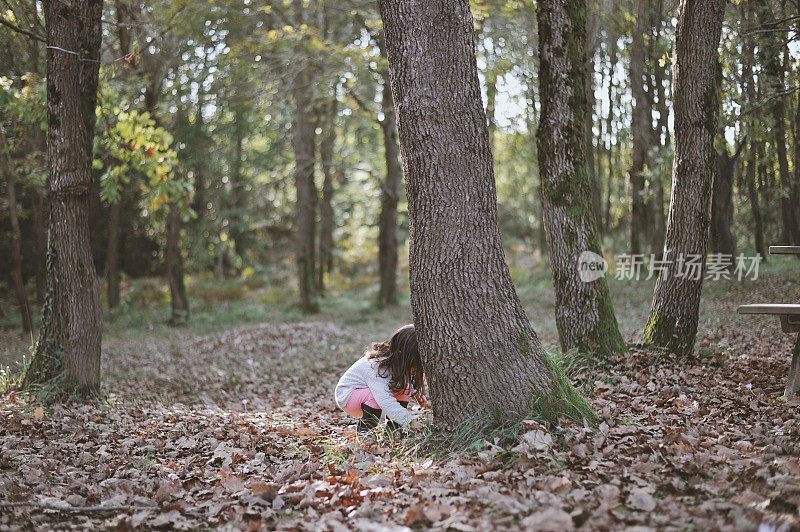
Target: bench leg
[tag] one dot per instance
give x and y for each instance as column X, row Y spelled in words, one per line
column 793, row 385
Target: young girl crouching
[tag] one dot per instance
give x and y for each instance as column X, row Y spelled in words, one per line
column 382, row 382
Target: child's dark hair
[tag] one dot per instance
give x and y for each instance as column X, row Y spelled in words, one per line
column 399, row 360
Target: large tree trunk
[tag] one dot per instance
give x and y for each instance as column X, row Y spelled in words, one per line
column 303, row 143
column 177, row 288
column 70, row 338
column 16, row 236
column 640, row 127
column 584, row 313
column 327, row 221
column 676, row 301
column 390, row 196
column 484, row 362
column 770, row 48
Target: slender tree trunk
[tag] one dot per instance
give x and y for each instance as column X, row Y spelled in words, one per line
column 749, row 90
column 112, row 255
column 770, row 48
column 662, row 131
column 303, row 143
column 755, row 207
column 722, row 238
column 584, row 313
column 592, row 28
column 640, row 126
column 390, row 196
column 16, row 236
column 177, row 288
column 483, row 360
column 327, row 220
column 38, row 144
column 40, row 243
column 612, row 63
column 238, row 186
column 795, row 188
column 676, row 301
column 491, row 105
column 70, row 338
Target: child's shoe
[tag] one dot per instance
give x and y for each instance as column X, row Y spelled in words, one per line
column 366, row 425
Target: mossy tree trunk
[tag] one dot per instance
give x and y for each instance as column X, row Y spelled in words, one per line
column 484, row 362
column 69, row 342
column 584, row 312
column 676, row 301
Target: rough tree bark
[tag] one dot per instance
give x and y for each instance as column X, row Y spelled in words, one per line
column 640, row 127
column 584, row 312
column 674, row 314
column 70, row 338
column 484, row 362
column 303, row 144
column 390, row 196
column 16, row 236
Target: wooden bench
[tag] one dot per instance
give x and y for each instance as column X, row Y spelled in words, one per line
column 790, row 322
column 784, row 250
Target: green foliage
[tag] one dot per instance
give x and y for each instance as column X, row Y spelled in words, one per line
column 139, row 151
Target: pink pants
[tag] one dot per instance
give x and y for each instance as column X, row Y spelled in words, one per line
column 363, row 396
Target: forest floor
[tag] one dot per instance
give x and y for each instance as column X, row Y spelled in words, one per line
column 219, row 425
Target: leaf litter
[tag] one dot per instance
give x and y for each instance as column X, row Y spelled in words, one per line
column 238, row 430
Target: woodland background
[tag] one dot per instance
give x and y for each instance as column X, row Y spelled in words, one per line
column 249, row 226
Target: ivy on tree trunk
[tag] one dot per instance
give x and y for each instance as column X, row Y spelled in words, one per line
column 68, row 349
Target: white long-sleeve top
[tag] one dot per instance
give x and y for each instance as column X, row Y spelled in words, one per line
column 364, row 374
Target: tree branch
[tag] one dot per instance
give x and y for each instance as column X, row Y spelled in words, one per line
column 22, row 31
column 75, row 509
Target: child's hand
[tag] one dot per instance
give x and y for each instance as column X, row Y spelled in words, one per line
column 422, row 401
column 415, row 425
